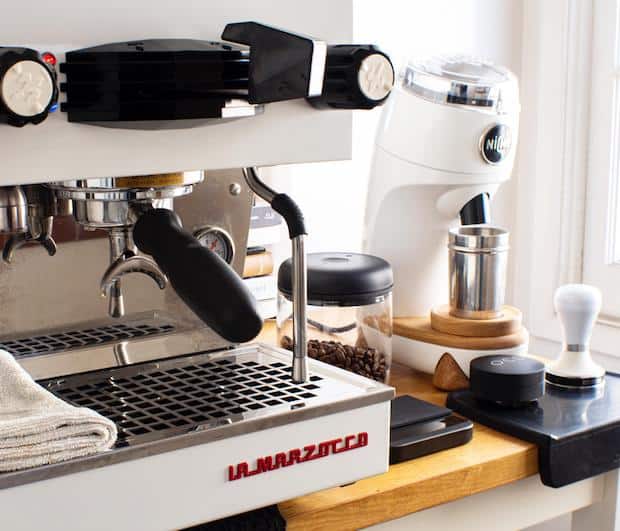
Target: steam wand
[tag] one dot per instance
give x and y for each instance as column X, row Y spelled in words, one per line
column 293, row 216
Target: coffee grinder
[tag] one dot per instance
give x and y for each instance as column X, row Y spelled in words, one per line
column 445, row 143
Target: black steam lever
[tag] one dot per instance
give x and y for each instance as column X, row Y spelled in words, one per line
column 204, row 281
column 285, row 65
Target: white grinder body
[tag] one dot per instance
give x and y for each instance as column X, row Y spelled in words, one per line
column 428, row 163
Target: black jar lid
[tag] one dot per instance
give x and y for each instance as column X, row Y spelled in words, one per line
column 341, row 279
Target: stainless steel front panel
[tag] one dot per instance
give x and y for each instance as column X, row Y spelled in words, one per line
column 41, row 292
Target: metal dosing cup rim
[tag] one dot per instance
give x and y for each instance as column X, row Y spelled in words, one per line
column 478, row 238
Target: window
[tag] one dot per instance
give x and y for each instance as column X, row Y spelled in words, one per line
column 568, row 168
column 601, row 263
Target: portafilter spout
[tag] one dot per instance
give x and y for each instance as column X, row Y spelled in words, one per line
column 26, row 213
column 290, row 211
column 123, row 260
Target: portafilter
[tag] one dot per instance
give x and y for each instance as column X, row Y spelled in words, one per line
column 137, row 213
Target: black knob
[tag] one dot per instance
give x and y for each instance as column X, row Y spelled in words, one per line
column 356, row 77
column 28, row 88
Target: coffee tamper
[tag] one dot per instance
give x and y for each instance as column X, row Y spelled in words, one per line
column 577, row 306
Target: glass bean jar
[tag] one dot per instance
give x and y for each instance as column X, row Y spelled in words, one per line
column 349, row 312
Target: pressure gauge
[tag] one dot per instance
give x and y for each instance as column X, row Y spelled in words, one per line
column 218, row 241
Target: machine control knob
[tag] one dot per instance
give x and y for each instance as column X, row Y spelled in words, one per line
column 356, row 77
column 578, row 306
column 28, row 89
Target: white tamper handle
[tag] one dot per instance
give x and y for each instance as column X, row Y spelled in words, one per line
column 578, row 306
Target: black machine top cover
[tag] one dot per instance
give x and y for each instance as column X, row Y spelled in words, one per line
column 182, row 79
column 155, row 79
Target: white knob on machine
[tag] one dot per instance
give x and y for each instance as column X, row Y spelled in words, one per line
column 578, row 306
column 27, row 88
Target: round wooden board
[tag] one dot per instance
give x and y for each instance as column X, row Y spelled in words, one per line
column 510, row 323
column 419, row 328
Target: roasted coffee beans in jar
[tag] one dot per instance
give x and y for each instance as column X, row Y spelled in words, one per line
column 349, row 312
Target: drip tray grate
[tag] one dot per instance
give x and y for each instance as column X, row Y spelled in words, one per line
column 85, row 337
column 157, row 400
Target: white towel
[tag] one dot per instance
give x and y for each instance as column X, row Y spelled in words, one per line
column 38, row 428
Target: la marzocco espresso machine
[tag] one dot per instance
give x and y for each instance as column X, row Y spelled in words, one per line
column 115, row 137
column 445, row 143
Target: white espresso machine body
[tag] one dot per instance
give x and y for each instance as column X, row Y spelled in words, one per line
column 108, row 118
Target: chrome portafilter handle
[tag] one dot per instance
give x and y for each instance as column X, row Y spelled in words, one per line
column 125, row 260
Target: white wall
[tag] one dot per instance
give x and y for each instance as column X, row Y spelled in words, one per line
column 332, row 195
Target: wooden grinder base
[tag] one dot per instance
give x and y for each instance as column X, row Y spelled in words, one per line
column 509, row 323
column 440, row 328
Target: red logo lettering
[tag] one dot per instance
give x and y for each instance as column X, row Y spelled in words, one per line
column 298, row 455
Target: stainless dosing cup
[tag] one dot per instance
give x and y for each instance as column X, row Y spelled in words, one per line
column 478, row 259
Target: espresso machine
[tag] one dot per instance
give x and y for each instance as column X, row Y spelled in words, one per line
column 128, row 140
column 445, row 143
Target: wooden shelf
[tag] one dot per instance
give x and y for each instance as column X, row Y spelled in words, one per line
column 491, row 459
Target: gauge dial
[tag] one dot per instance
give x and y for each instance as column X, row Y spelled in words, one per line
column 218, row 241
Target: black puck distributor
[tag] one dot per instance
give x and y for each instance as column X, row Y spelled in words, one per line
column 508, row 380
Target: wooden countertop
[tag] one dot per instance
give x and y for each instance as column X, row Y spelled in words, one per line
column 491, row 459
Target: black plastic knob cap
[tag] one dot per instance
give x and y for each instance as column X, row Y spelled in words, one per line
column 357, row 76
column 28, row 87
column 205, row 282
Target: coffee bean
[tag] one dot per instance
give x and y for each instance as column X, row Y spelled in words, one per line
column 362, row 360
column 287, row 343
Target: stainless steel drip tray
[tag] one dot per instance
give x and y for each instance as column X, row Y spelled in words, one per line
column 200, row 398
column 107, row 343
column 88, row 335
